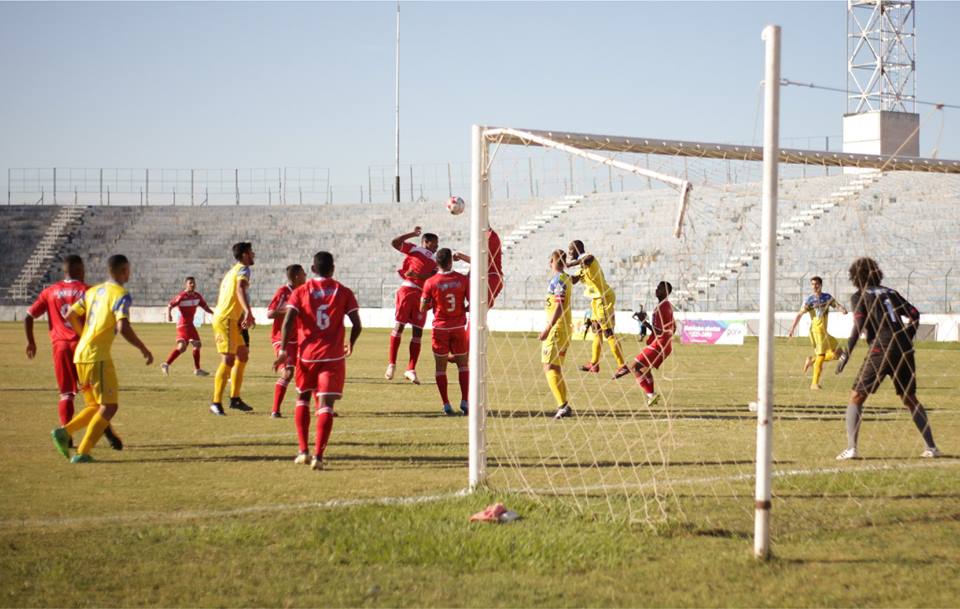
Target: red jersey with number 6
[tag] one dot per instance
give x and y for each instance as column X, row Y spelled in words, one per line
column 321, row 304
column 448, row 292
column 55, row 300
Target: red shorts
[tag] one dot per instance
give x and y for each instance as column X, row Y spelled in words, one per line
column 63, row 366
column 446, row 342
column 654, row 354
column 188, row 333
column 292, row 350
column 321, row 378
column 408, row 307
column 494, row 287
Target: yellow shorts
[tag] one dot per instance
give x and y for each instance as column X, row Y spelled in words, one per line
column 603, row 314
column 98, row 381
column 822, row 342
column 227, row 335
column 554, row 350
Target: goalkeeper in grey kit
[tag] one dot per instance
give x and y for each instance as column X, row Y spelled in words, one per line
column 879, row 311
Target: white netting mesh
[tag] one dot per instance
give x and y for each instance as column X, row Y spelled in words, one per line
column 690, row 456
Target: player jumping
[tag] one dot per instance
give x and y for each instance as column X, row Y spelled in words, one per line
column 277, row 311
column 825, row 347
column 556, row 335
column 231, row 317
column 55, row 300
column 105, row 309
column 187, row 302
column 419, row 264
column 319, row 306
column 659, row 343
column 447, row 293
column 603, row 302
column 878, row 311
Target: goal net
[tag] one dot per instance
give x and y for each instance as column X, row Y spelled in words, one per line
column 690, row 214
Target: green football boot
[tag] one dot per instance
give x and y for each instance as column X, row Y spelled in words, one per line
column 61, row 441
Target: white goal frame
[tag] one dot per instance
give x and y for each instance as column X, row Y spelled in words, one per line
column 586, row 145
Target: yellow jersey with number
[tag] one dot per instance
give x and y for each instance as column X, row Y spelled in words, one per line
column 103, row 305
column 559, row 293
column 228, row 305
column 594, row 283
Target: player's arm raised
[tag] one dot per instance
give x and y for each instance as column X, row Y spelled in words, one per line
column 125, row 329
column 397, row 242
column 355, row 329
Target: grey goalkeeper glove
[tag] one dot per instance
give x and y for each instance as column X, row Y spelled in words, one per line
column 842, row 361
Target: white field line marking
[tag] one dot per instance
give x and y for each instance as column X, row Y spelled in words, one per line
column 155, row 517
column 735, row 478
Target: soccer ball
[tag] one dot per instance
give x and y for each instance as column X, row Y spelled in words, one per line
column 456, row 205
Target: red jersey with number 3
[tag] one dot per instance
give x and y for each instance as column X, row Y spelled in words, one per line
column 187, row 303
column 321, row 304
column 55, row 300
column 447, row 293
column 418, row 260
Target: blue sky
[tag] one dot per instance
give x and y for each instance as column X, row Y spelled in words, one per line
column 311, row 84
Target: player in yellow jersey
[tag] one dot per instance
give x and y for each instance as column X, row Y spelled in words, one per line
column 603, row 302
column 558, row 331
column 825, row 347
column 106, row 309
column 232, row 316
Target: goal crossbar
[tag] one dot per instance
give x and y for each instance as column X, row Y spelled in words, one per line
column 641, row 145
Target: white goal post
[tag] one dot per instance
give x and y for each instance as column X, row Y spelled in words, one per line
column 486, row 141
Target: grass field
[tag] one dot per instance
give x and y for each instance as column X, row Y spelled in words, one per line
column 638, row 507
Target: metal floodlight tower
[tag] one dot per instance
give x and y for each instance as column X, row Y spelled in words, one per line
column 881, row 55
column 881, row 78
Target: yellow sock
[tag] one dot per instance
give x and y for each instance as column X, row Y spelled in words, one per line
column 617, row 351
column 236, row 378
column 81, row 419
column 830, row 356
column 220, row 382
column 93, row 435
column 595, row 349
column 817, row 369
column 558, row 386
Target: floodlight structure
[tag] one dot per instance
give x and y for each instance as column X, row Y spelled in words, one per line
column 881, row 56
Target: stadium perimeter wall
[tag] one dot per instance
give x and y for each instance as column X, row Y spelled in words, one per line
column 938, row 327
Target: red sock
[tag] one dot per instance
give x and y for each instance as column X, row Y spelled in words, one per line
column 301, row 416
column 646, row 382
column 324, row 427
column 173, row 355
column 464, row 382
column 442, row 386
column 65, row 408
column 196, row 358
column 414, row 353
column 279, row 390
column 394, row 347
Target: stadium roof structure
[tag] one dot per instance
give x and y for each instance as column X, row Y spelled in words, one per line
column 641, row 145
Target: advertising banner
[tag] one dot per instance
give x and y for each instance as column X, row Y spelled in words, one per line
column 712, row 332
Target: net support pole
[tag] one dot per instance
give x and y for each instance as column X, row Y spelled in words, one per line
column 768, row 238
column 479, row 225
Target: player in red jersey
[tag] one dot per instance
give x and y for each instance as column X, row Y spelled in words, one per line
column 659, row 342
column 186, row 302
column 277, row 311
column 419, row 264
column 447, row 293
column 55, row 300
column 494, row 266
column 319, row 306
